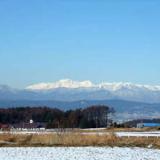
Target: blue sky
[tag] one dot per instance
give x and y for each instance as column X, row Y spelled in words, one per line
column 48, row 40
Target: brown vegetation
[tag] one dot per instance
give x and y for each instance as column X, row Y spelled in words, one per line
column 76, row 139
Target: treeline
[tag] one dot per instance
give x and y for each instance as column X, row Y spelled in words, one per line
column 91, row 117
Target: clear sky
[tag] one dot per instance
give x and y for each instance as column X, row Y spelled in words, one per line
column 97, row 40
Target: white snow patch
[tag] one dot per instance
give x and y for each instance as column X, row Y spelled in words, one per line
column 138, row 134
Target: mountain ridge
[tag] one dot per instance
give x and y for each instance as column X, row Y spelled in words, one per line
column 68, row 90
column 68, row 83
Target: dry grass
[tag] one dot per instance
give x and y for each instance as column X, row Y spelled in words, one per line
column 76, row 139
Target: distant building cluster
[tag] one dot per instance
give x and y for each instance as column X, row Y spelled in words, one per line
column 142, row 125
column 24, row 126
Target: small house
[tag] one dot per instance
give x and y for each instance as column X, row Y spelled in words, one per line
column 29, row 126
column 4, row 127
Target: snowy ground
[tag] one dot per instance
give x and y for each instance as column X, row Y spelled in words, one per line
column 128, row 134
column 138, row 134
column 82, row 153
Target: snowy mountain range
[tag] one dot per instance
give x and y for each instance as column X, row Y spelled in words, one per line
column 69, row 90
column 131, row 101
column 67, row 83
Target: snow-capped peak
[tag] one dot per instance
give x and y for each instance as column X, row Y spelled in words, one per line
column 127, row 85
column 66, row 83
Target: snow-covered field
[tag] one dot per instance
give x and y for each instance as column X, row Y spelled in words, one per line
column 79, row 153
column 138, row 134
column 128, row 134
